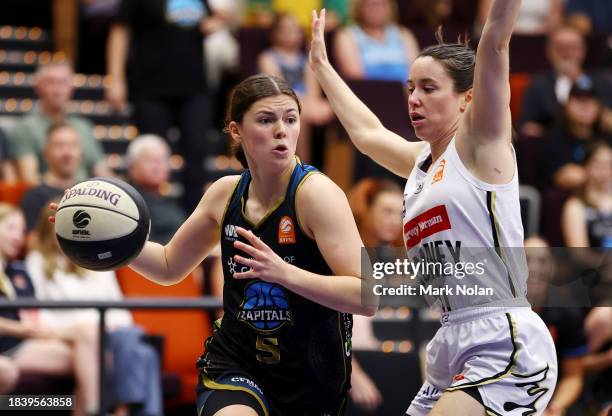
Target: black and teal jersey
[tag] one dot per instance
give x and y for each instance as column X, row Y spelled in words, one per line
column 298, row 351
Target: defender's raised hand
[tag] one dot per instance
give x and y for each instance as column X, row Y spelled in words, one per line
column 318, row 53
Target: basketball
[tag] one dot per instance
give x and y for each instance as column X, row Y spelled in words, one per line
column 102, row 223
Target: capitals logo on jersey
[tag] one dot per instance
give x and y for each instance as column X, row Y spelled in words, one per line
column 265, row 307
column 286, row 231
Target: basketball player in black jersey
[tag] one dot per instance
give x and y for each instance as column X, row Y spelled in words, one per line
column 291, row 263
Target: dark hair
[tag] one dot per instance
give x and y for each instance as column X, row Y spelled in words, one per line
column 458, row 60
column 562, row 119
column 362, row 197
column 245, row 94
column 593, row 148
column 377, row 187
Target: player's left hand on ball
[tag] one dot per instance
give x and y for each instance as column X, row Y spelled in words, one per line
column 53, row 206
column 264, row 263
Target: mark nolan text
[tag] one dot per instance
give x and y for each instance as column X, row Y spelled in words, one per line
column 458, row 290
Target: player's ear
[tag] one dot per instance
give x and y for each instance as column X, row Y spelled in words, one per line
column 467, row 98
column 234, row 131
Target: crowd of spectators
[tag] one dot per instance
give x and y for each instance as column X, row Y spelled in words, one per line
column 167, row 62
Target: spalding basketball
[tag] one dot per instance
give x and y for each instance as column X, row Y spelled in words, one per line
column 102, row 223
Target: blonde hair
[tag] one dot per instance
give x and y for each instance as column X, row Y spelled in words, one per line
column 6, row 286
column 357, row 14
column 46, row 245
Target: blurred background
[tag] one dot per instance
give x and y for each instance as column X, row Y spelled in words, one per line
column 137, row 89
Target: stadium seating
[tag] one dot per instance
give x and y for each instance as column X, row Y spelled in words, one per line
column 184, row 331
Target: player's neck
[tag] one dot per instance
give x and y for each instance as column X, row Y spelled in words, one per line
column 439, row 146
column 267, row 189
column 57, row 181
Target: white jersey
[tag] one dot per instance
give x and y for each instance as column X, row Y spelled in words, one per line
column 450, row 216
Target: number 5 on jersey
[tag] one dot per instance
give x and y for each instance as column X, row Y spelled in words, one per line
column 269, row 353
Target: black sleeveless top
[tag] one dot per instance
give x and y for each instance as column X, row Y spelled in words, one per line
column 298, row 350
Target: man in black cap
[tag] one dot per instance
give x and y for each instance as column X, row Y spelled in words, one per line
column 577, row 127
column 549, row 92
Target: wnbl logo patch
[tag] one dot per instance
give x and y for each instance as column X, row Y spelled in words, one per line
column 286, row 231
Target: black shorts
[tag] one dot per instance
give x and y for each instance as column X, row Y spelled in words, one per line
column 221, row 399
column 227, row 390
column 240, row 388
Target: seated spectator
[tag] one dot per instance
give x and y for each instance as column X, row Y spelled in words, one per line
column 27, row 347
column 286, row 59
column 566, row 50
column 565, row 145
column 566, row 326
column 148, row 159
column 375, row 48
column 598, row 364
column 62, row 154
column 586, row 219
column 377, row 207
column 7, row 169
column 536, row 17
column 591, row 16
column 53, row 85
column 136, row 368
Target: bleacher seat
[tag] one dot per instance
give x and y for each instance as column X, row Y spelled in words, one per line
column 184, row 331
column 528, row 54
column 552, row 206
column 254, row 40
column 531, row 202
column 12, row 192
column 388, row 100
column 519, row 82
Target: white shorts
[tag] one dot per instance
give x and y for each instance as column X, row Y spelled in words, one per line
column 506, row 353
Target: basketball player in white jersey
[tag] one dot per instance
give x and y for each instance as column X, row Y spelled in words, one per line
column 492, row 355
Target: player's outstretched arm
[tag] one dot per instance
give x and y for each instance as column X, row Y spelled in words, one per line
column 192, row 242
column 365, row 129
column 484, row 137
column 490, row 113
column 324, row 214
